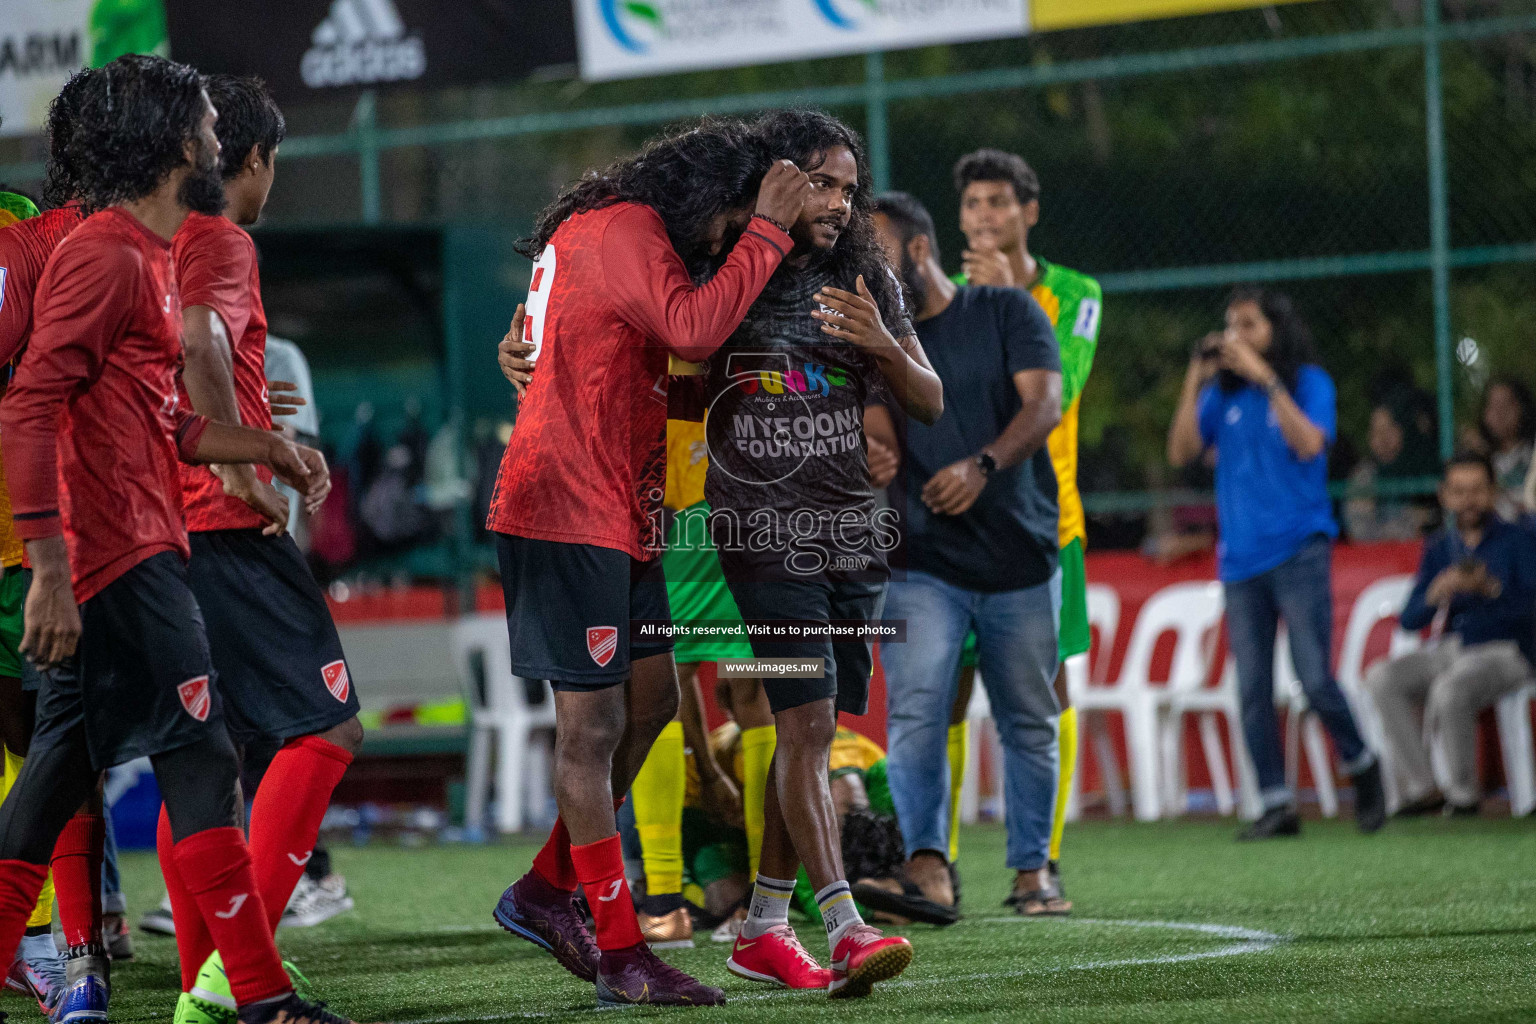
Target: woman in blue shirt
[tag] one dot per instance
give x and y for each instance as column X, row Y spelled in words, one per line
column 1254, row 395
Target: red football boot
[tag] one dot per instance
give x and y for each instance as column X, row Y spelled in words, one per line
column 864, row 956
column 777, row 958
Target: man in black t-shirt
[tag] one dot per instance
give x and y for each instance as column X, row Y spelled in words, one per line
column 976, row 495
column 795, row 526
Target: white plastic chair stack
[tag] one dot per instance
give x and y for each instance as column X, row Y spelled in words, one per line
column 1188, row 694
column 1191, row 612
column 500, row 712
column 1303, row 730
column 1104, row 618
column 1377, row 603
column 1209, row 704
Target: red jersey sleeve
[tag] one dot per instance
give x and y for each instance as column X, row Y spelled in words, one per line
column 15, row 294
column 190, row 427
column 213, row 269
column 85, row 299
column 651, row 288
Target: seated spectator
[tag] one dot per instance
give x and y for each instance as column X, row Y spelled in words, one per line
column 1398, row 449
column 1506, row 427
column 1477, row 586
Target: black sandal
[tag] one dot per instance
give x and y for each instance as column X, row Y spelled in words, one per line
column 1049, row 903
column 910, row 903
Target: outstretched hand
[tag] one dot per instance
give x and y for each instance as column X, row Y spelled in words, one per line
column 853, row 317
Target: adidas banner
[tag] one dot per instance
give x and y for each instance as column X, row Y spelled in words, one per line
column 630, row 38
column 312, row 48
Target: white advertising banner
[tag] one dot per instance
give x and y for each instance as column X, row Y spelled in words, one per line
column 40, row 45
column 633, row 38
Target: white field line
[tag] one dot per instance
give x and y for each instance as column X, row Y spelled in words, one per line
column 1248, row 940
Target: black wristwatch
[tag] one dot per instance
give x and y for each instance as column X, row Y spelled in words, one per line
column 986, row 463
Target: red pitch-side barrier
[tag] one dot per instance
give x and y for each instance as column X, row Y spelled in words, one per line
column 1135, row 579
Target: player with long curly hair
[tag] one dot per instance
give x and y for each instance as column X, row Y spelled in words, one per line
column 110, row 619
column 799, row 537
column 577, row 503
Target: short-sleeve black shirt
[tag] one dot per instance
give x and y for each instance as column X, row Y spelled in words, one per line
column 1006, row 540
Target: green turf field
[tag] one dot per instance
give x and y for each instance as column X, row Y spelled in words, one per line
column 1429, row 921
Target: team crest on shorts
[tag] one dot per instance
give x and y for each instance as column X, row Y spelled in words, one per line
column 195, row 697
column 337, row 680
column 602, row 641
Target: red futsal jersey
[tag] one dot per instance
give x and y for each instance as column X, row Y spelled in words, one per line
column 24, row 250
column 610, row 298
column 95, row 400
column 216, row 267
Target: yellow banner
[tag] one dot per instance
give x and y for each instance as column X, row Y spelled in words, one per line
column 1045, row 15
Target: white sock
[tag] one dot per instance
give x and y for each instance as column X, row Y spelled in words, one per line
column 838, row 911
column 770, row 905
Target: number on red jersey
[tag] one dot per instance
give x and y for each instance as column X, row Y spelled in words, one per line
column 538, row 301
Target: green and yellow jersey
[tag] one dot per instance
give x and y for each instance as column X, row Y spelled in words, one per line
column 15, row 207
column 1073, row 301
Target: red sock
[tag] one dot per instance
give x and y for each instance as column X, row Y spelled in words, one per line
column 600, row 867
column 193, row 943
column 553, row 862
column 77, row 878
column 20, row 884
column 215, row 865
column 286, row 816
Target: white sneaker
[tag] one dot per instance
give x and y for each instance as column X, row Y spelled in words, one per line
column 730, row 928
column 314, row 902
column 158, row 921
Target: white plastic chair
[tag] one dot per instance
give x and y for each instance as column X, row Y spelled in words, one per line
column 1104, row 618
column 1189, row 694
column 1380, row 602
column 1209, row 705
column 1191, row 611
column 1302, row 730
column 500, row 711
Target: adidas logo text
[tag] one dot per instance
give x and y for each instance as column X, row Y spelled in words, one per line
column 362, row 42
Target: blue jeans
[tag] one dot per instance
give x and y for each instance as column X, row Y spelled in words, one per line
column 112, row 900
column 1016, row 649
column 1298, row 591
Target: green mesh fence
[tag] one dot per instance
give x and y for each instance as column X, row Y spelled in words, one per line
column 1290, row 144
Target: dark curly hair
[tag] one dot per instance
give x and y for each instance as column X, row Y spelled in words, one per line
column 687, row 176
column 1291, row 342
column 806, row 137
column 63, row 184
column 135, row 118
column 248, row 116
column 995, row 165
